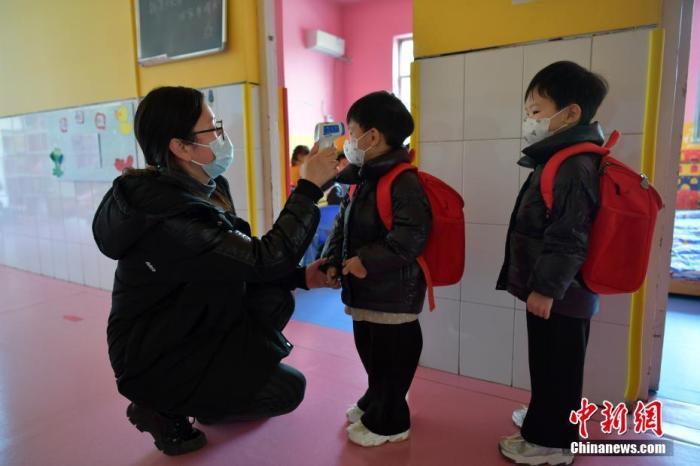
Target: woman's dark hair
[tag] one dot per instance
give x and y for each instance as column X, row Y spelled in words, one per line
column 386, row 113
column 166, row 113
column 567, row 83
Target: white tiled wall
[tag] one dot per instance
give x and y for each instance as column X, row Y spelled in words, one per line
column 493, row 94
column 521, row 372
column 628, row 149
column 228, row 106
column 490, row 202
column 614, row 309
column 46, row 223
column 623, row 109
column 485, row 251
column 486, row 342
column 537, row 56
column 441, row 336
column 606, row 362
column 471, row 111
column 445, row 158
column 442, row 99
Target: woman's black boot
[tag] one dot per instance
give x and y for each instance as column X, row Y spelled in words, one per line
column 173, row 435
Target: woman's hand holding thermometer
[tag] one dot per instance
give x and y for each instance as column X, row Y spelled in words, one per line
column 320, row 166
column 326, row 133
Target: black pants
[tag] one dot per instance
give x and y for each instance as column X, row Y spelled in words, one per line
column 390, row 355
column 557, row 352
column 284, row 390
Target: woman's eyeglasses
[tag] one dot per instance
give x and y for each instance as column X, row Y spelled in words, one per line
column 218, row 128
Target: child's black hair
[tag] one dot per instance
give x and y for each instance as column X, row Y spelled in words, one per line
column 568, row 83
column 299, row 150
column 384, row 112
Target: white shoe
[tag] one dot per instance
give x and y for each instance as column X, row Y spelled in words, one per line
column 354, row 426
column 361, row 435
column 518, row 416
column 354, row 414
column 515, row 436
column 523, row 452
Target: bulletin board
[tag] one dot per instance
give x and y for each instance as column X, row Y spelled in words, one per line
column 91, row 143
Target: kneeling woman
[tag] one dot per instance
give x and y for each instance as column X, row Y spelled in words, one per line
column 198, row 304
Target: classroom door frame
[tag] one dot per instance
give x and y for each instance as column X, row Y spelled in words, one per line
column 272, row 111
column 676, row 23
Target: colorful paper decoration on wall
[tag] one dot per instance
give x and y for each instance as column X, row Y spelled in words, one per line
column 122, row 114
column 93, row 150
column 56, row 157
column 688, row 193
column 100, row 120
column 122, row 164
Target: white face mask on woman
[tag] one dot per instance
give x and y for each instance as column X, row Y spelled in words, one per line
column 537, row 129
column 222, row 148
column 354, row 154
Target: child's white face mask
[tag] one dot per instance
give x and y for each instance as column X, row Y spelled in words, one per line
column 354, row 154
column 537, row 129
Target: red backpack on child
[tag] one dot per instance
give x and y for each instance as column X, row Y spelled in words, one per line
column 442, row 261
column 620, row 240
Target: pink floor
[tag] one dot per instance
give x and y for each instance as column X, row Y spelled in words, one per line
column 59, row 404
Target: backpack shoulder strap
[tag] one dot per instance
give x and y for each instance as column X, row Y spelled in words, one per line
column 551, row 168
column 384, row 192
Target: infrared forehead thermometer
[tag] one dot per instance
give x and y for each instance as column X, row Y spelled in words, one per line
column 327, row 133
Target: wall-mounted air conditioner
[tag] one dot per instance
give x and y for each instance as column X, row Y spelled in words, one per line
column 324, row 42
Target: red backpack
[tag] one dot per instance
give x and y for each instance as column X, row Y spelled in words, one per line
column 619, row 244
column 442, row 261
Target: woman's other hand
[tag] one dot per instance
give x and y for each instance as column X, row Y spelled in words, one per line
column 316, row 278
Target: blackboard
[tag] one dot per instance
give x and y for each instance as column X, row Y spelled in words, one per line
column 179, row 29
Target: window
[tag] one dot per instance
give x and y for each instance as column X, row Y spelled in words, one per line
column 403, row 57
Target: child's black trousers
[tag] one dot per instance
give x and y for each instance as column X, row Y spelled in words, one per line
column 557, row 352
column 390, row 356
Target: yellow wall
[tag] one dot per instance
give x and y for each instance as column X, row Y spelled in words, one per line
column 62, row 53
column 459, row 25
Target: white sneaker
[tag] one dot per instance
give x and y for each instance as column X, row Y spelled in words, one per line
column 523, row 452
column 354, row 414
column 518, row 416
column 353, row 426
column 361, row 435
column 516, row 436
